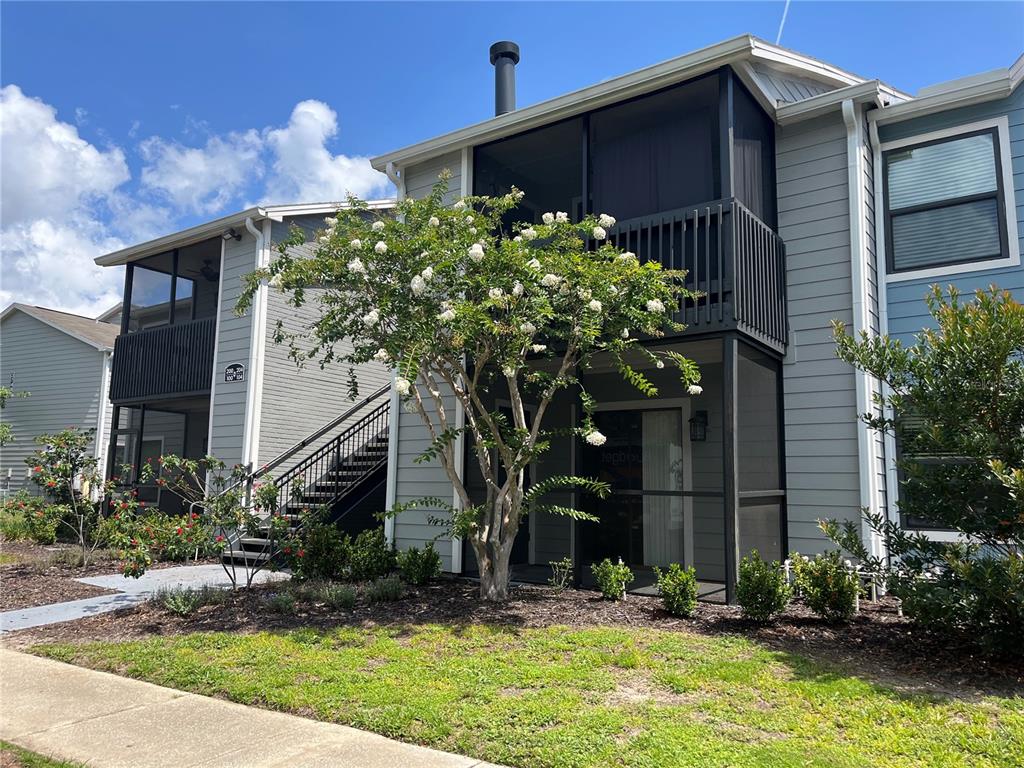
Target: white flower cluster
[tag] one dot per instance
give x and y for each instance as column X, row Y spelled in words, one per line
column 427, row 273
column 402, row 386
column 495, row 293
column 606, row 221
column 548, row 218
column 447, row 315
column 377, row 226
column 595, row 438
column 356, row 265
column 476, row 252
column 459, row 205
column 381, row 247
column 627, row 255
column 562, row 217
column 417, row 285
column 695, row 389
column 550, row 281
column 599, row 233
column 381, row 355
column 357, row 243
column 528, row 327
column 655, row 305
column 517, row 289
column 277, row 282
column 434, row 221
column 539, row 348
column 594, row 305
column 371, row 318
column 528, row 234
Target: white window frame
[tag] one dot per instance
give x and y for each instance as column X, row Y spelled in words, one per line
column 1002, row 128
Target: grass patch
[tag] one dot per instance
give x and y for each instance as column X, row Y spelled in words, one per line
column 8, row 559
column 22, row 758
column 572, row 698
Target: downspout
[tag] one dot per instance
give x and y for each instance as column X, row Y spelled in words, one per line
column 858, row 275
column 255, row 352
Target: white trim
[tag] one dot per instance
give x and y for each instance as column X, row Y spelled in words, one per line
column 216, row 227
column 216, row 350
column 853, row 118
column 870, row 92
column 671, row 72
column 394, row 414
column 260, row 361
column 1002, row 126
column 100, row 447
column 257, row 330
column 465, row 189
column 976, row 89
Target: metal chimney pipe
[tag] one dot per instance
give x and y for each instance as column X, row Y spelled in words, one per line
column 504, row 57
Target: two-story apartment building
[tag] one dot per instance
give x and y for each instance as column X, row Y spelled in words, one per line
column 191, row 377
column 793, row 193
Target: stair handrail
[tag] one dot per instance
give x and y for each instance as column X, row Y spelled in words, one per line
column 304, row 442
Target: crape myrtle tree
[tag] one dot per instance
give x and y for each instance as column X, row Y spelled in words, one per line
column 460, row 304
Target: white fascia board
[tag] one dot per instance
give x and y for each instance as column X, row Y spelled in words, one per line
column 861, row 93
column 626, row 86
column 217, row 227
column 964, row 92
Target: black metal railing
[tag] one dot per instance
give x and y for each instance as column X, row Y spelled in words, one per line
column 733, row 260
column 171, row 360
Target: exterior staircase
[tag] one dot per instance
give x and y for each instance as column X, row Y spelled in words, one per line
column 335, row 477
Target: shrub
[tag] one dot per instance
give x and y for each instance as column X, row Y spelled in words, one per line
column 319, row 552
column 281, row 602
column 829, row 586
column 561, row 573
column 612, row 578
column 329, row 593
column 418, row 566
column 762, row 590
column 369, row 556
column 678, row 588
column 31, row 518
column 387, row 589
column 184, row 601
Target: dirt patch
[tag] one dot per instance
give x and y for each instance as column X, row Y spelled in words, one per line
column 877, row 644
column 636, row 688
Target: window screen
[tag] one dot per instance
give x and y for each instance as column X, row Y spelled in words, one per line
column 944, row 202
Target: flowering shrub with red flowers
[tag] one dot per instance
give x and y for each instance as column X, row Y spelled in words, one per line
column 30, row 517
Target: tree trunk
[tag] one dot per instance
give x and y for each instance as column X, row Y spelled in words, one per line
column 493, row 563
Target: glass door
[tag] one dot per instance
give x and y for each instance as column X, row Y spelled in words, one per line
column 643, row 520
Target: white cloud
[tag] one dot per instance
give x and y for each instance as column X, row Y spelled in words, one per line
column 202, row 179
column 304, row 170
column 46, row 167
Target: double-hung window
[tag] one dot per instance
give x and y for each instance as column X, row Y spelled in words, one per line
column 944, row 202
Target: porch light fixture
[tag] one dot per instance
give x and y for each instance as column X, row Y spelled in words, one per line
column 699, row 427
column 230, row 234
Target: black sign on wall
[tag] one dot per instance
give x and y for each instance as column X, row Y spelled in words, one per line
column 234, row 372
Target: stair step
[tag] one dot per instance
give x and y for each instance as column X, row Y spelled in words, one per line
column 244, row 555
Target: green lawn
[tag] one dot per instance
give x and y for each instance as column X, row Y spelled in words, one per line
column 26, row 759
column 578, row 697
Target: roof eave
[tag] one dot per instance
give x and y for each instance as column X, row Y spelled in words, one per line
column 651, row 78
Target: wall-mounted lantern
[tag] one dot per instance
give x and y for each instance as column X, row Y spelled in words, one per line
column 699, row 427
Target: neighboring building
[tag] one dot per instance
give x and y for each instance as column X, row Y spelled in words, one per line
column 190, row 377
column 762, row 172
column 63, row 362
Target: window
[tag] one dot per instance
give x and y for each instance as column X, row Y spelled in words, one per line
column 944, row 202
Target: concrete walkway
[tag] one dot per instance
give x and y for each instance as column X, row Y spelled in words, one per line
column 130, row 592
column 108, row 721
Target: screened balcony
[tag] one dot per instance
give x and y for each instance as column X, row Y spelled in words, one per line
column 688, row 172
column 168, row 326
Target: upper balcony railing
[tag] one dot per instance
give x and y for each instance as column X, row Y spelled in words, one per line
column 731, row 258
column 167, row 361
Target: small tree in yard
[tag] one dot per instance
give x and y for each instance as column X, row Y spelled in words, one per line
column 957, row 405
column 459, row 304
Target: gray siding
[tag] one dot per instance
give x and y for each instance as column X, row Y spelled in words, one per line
column 64, row 377
column 822, row 478
column 414, row 480
column 234, row 335
column 298, row 401
column 787, row 88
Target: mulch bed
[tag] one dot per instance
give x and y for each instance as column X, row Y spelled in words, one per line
column 42, row 577
column 877, row 644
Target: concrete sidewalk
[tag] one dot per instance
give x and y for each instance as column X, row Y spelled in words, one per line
column 108, row 721
column 129, row 592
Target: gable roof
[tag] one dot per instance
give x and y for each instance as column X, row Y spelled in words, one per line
column 218, row 226
column 95, row 333
column 793, row 76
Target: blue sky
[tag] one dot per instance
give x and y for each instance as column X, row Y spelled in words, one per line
column 123, row 121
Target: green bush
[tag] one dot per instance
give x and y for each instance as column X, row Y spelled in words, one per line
column 30, row 518
column 337, row 596
column 418, row 566
column 281, row 602
column 561, row 573
column 762, row 590
column 828, row 585
column 980, row 600
column 387, row 589
column 612, row 578
column 319, row 552
column 678, row 589
column 369, row 556
column 184, row 601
